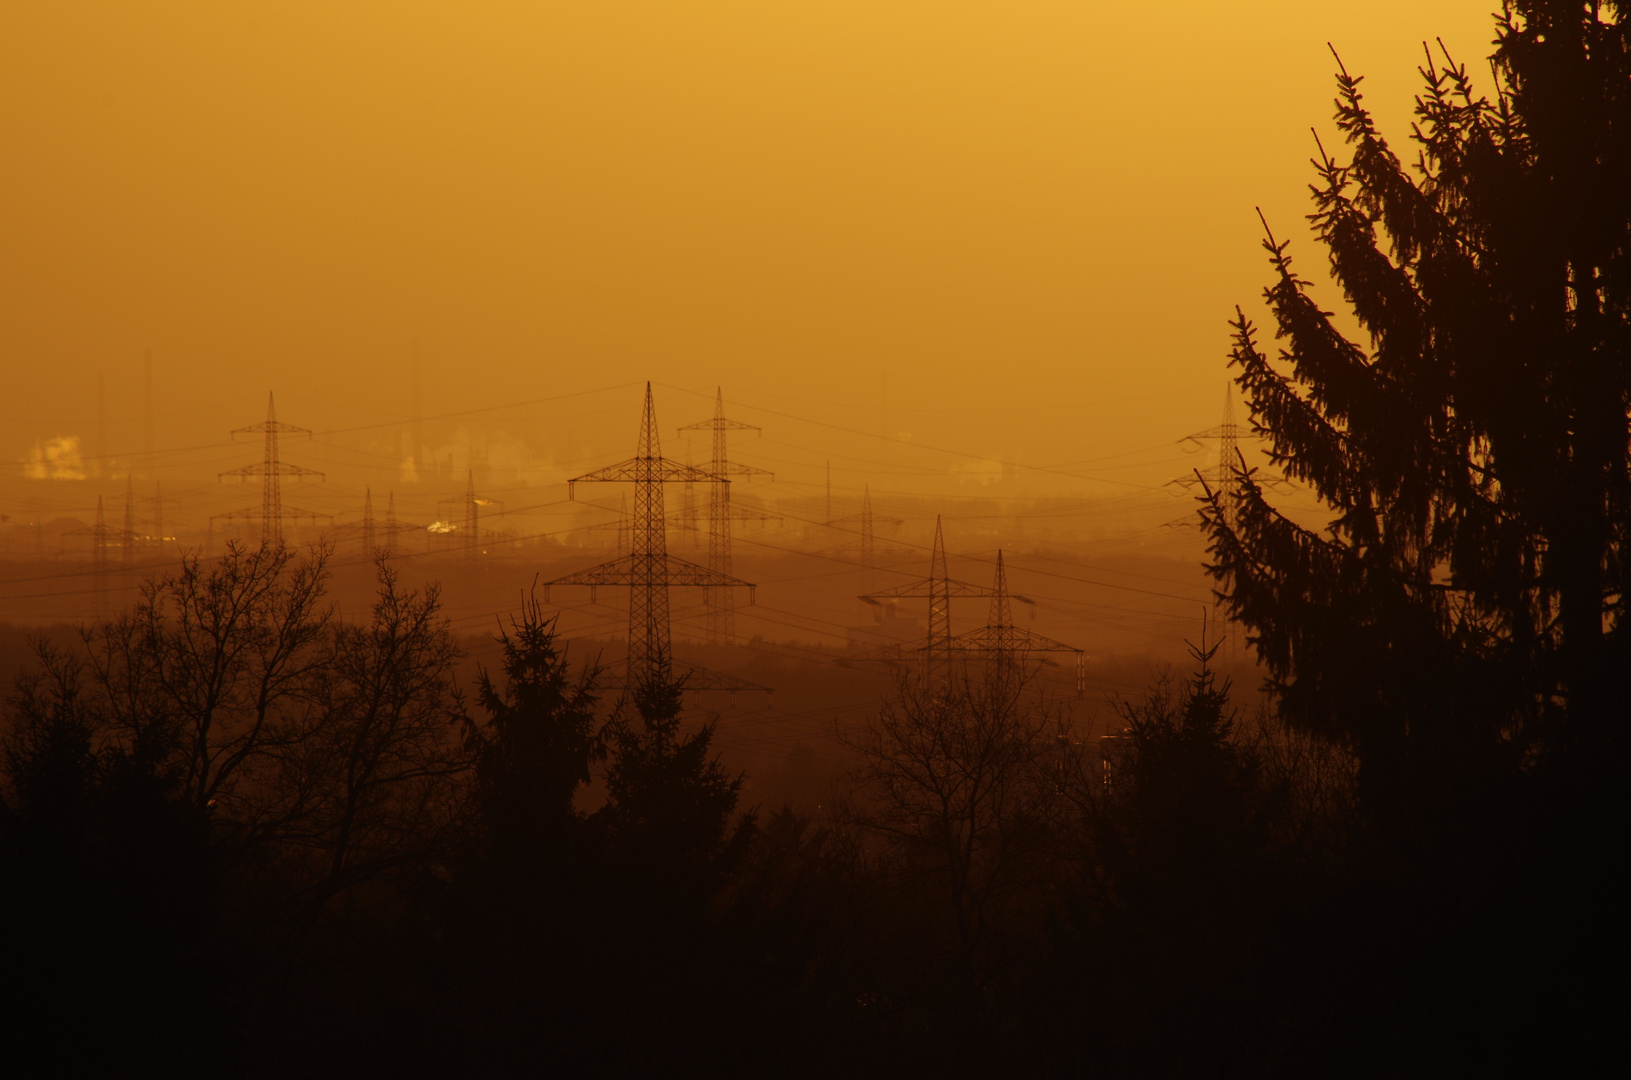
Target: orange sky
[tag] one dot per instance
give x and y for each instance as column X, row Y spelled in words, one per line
column 1020, row 224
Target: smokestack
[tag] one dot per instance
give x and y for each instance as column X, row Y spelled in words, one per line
column 127, row 537
column 416, row 435
column 883, row 403
column 101, row 453
column 99, row 540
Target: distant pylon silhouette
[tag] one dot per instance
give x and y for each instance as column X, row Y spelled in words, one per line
column 470, row 505
column 158, row 518
column 1222, row 480
column 648, row 570
column 127, row 536
column 688, row 509
column 99, row 560
column 368, row 539
column 271, row 470
column 721, row 601
column 622, row 526
column 939, row 588
column 1221, row 476
column 1005, row 646
column 867, row 521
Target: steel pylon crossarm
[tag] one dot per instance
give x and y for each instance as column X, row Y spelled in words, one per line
column 642, row 470
column 928, row 587
column 1007, row 644
column 639, row 568
column 282, row 468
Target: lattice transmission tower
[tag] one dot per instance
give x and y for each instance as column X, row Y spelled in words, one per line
column 721, row 600
column 688, row 509
column 101, row 536
column 1219, row 477
column 272, row 469
column 867, row 521
column 939, row 588
column 648, row 569
column 127, row 535
column 1005, row 647
column 470, row 505
column 623, row 526
column 99, row 560
column 158, row 518
column 1222, row 480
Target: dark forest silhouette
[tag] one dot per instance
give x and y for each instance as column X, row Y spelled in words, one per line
column 242, row 836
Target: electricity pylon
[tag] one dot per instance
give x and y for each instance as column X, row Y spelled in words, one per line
column 622, row 526
column 1222, row 480
column 648, row 569
column 471, row 503
column 99, row 532
column 866, row 520
column 158, row 517
column 1220, row 477
column 127, row 537
column 99, row 560
column 721, row 601
column 939, row 588
column 1007, row 647
column 688, row 510
column 271, row 470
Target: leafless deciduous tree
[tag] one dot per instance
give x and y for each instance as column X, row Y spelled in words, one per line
column 213, row 676
column 232, row 686
column 375, row 774
column 957, row 785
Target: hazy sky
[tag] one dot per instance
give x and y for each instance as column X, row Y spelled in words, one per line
column 1022, row 225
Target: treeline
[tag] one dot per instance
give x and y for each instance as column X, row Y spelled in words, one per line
column 242, row 837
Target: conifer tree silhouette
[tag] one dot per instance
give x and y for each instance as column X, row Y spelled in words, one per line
column 1466, row 606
